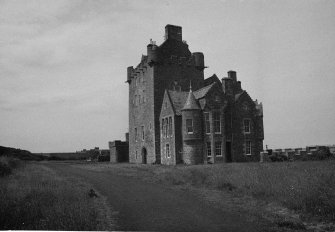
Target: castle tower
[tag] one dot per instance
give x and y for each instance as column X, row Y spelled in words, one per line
column 192, row 131
column 163, row 67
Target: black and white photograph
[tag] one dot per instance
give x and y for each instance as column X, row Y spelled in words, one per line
column 170, row 115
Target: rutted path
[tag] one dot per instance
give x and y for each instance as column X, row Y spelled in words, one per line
column 155, row 207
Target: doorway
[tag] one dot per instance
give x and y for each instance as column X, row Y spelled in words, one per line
column 228, row 152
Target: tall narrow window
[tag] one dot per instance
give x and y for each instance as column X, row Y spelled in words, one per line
column 163, row 127
column 170, row 126
column 218, row 149
column 167, row 150
column 209, row 149
column 246, row 123
column 135, row 154
column 135, row 134
column 189, row 126
column 207, row 123
column 142, row 133
column 217, row 122
column 166, row 127
column 248, row 147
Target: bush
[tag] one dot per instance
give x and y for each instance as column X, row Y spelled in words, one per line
column 278, row 157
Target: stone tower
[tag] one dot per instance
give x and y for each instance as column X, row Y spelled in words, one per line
column 192, row 131
column 168, row 66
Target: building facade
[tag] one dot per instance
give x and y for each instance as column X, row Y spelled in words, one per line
column 178, row 116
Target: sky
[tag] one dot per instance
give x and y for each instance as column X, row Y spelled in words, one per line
column 63, row 65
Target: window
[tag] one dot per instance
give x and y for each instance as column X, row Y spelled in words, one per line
column 170, row 126
column 217, row 122
column 246, row 123
column 189, row 126
column 150, row 126
column 166, row 127
column 207, row 123
column 165, row 105
column 135, row 154
column 142, row 133
column 163, row 125
column 248, row 147
column 218, row 149
column 209, row 149
column 167, row 150
column 135, row 134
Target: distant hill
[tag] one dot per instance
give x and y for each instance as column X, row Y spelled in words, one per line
column 20, row 154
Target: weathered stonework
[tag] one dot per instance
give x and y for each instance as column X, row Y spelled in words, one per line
column 159, row 95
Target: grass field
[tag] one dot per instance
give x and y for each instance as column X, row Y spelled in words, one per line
column 34, row 197
column 305, row 187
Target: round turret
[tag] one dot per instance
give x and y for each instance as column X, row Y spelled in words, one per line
column 130, row 70
column 192, row 131
column 191, row 118
column 199, row 59
column 152, row 52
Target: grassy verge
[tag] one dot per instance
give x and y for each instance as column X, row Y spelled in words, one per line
column 306, row 187
column 37, row 198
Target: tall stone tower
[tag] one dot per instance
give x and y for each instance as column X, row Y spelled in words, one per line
column 168, row 66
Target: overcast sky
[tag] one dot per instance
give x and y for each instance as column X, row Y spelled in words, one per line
column 63, row 65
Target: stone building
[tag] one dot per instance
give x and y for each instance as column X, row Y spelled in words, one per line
column 178, row 116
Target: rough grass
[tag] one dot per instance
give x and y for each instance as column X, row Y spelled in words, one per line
column 308, row 187
column 37, row 198
column 7, row 164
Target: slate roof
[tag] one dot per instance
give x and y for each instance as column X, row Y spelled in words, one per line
column 200, row 93
column 178, row 100
column 212, row 79
column 237, row 96
column 191, row 103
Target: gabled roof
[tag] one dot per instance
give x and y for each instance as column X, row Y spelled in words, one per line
column 212, row 79
column 200, row 93
column 191, row 103
column 237, row 96
column 178, row 100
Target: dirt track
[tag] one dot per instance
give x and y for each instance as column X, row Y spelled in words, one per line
column 155, row 207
